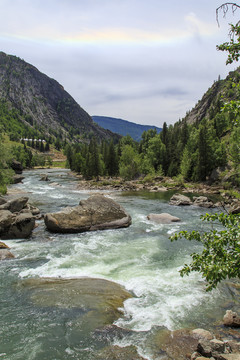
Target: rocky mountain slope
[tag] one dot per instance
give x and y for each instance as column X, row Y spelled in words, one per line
column 123, row 127
column 43, row 102
column 210, row 104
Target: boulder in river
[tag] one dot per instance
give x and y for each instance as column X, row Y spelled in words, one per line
column 16, row 226
column 163, row 218
column 99, row 299
column 15, row 205
column 5, row 254
column 96, row 213
column 179, row 199
column 203, row 201
column 231, row 319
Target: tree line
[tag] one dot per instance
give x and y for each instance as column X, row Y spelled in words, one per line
column 191, row 152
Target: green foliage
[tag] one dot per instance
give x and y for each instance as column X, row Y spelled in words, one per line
column 129, row 166
column 220, row 258
column 233, row 46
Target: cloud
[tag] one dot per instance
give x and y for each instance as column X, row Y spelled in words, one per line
column 134, row 59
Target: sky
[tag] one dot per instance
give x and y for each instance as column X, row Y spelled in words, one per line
column 145, row 61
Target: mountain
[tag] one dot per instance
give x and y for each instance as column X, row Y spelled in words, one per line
column 123, row 127
column 213, row 100
column 42, row 102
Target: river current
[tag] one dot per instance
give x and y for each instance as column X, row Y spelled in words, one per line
column 141, row 258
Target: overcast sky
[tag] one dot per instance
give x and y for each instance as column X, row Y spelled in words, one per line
column 146, row 61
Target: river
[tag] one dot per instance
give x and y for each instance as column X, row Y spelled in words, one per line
column 141, row 258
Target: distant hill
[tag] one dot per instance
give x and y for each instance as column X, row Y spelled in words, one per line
column 123, row 127
column 42, row 103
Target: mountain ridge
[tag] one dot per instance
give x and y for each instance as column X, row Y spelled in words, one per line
column 123, row 127
column 43, row 102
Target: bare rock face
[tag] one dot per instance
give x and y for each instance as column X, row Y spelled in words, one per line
column 179, row 199
column 95, row 213
column 163, row 218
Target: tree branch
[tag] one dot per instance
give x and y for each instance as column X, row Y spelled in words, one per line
column 224, row 8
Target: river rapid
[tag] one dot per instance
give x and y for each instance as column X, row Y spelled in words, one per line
column 141, row 258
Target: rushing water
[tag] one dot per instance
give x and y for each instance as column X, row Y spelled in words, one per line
column 141, row 258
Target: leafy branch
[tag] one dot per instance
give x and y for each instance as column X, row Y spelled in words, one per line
column 220, row 258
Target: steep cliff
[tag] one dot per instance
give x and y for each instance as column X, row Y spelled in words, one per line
column 43, row 102
column 210, row 104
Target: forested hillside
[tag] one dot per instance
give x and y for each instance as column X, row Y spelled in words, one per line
column 207, row 139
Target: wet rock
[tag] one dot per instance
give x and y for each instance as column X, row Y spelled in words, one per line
column 163, row 218
column 115, row 352
column 231, row 319
column 100, row 299
column 17, row 179
column 179, row 344
column 178, row 199
column 202, row 334
column 95, row 213
column 5, row 254
column 15, row 205
column 3, row 245
column 21, row 227
column 44, row 178
column 202, row 201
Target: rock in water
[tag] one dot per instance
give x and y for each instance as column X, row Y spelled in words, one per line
column 5, row 254
column 231, row 319
column 179, row 199
column 95, row 213
column 163, row 218
column 100, row 299
column 15, row 205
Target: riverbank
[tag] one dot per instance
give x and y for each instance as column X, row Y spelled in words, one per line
column 228, row 198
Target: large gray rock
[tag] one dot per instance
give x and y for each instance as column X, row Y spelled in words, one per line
column 179, row 199
column 6, row 219
column 202, row 201
column 15, row 205
column 16, row 226
column 95, row 213
column 163, row 218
